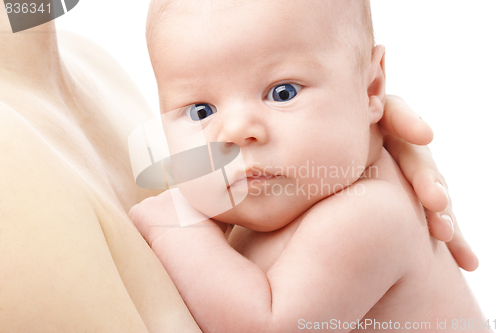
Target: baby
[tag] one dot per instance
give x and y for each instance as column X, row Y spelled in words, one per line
column 299, row 87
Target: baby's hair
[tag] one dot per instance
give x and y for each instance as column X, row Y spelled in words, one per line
column 351, row 25
column 363, row 38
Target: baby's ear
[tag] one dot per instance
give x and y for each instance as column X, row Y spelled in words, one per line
column 376, row 84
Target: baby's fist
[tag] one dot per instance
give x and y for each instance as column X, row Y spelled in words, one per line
column 154, row 216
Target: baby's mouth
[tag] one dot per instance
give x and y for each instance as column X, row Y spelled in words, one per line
column 253, row 178
column 252, row 181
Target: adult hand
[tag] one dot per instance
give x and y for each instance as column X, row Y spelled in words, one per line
column 405, row 137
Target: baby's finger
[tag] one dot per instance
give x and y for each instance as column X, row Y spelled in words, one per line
column 137, row 216
column 418, row 166
column 400, row 120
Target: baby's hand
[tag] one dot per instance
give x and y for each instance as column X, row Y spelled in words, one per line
column 403, row 131
column 156, row 218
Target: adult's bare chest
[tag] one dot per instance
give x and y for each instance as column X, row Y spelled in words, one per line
column 85, row 172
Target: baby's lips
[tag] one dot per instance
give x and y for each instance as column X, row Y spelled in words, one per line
column 235, row 177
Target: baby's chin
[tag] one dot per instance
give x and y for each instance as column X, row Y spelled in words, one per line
column 254, row 222
column 261, row 216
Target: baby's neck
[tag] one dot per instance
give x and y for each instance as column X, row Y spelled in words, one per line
column 376, row 144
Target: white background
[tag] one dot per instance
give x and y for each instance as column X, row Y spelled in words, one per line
column 443, row 57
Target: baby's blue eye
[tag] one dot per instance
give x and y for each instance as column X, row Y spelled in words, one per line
column 284, row 92
column 201, row 111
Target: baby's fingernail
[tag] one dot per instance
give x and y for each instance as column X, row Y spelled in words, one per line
column 448, row 219
column 444, row 190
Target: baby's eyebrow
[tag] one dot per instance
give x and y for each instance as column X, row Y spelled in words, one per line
column 307, row 60
column 178, row 93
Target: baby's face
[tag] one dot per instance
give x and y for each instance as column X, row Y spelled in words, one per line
column 265, row 75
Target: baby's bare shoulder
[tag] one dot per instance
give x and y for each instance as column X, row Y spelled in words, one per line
column 381, row 190
column 382, row 186
column 380, row 206
column 354, row 246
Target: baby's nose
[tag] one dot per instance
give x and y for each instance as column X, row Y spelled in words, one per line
column 243, row 126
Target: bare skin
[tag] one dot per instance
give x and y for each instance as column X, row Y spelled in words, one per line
column 328, row 265
column 67, row 244
column 330, row 256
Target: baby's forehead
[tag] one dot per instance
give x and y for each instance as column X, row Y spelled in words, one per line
column 163, row 11
column 176, row 25
column 213, row 24
column 331, row 15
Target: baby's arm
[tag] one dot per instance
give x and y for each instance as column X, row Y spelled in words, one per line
column 341, row 260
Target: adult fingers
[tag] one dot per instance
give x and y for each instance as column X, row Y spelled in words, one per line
column 418, row 166
column 400, row 120
column 458, row 246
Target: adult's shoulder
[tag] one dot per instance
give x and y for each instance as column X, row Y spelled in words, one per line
column 95, row 67
column 88, row 53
